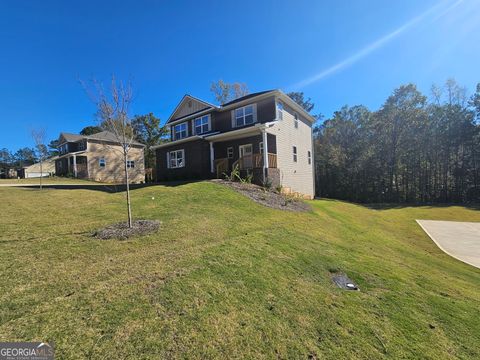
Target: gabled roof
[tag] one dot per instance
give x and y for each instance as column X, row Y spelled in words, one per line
column 71, row 137
column 185, row 99
column 244, row 99
column 247, row 97
column 101, row 136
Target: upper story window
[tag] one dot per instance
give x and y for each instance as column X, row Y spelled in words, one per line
column 202, row 124
column 63, row 149
column 309, row 156
column 244, row 115
column 102, row 162
column 82, row 145
column 294, row 154
column 180, row 131
column 279, row 110
column 295, row 121
column 130, row 164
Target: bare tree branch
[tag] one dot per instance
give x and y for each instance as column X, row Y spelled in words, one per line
column 39, row 136
column 113, row 109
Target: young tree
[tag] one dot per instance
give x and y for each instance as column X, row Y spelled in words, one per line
column 225, row 92
column 113, row 115
column 38, row 136
column 148, row 131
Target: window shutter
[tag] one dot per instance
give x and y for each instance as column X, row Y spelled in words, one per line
column 254, row 112
column 168, row 160
column 232, row 115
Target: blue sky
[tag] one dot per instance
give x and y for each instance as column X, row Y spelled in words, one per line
column 337, row 52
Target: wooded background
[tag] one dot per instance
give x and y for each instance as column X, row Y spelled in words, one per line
column 413, row 149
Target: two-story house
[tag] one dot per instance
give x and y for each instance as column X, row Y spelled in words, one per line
column 266, row 134
column 98, row 157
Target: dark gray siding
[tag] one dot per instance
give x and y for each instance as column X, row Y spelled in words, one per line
column 197, row 162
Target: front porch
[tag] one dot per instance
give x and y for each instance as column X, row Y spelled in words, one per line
column 72, row 164
column 244, row 163
column 252, row 150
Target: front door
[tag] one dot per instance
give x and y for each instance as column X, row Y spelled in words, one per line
column 246, row 156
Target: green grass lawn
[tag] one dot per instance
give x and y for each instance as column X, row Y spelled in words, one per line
column 227, row 278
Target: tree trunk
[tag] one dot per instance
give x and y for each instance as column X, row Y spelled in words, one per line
column 41, row 173
column 129, row 209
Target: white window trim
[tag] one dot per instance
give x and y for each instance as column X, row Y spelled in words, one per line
column 194, row 128
column 169, row 157
column 230, row 155
column 254, row 113
column 130, row 163
column 175, row 132
column 260, row 147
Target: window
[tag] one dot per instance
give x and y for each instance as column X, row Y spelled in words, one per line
column 295, row 154
column 82, row 145
column 176, row 158
column 230, row 152
column 295, row 121
column 130, row 164
column 102, row 163
column 244, row 116
column 180, row 131
column 279, row 110
column 63, row 148
column 309, row 156
column 261, row 148
column 202, row 124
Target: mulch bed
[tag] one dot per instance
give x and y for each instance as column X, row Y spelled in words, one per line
column 268, row 198
column 121, row 231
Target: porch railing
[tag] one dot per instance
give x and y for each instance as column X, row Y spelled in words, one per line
column 255, row 161
column 221, row 166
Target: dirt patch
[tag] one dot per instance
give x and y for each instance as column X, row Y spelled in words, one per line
column 121, row 231
column 268, row 198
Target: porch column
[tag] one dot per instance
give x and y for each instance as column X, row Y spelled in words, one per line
column 75, row 165
column 265, row 154
column 212, row 160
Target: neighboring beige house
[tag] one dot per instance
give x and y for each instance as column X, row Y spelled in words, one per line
column 265, row 134
column 33, row 171
column 98, row 157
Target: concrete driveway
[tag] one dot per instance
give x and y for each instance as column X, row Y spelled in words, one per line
column 458, row 239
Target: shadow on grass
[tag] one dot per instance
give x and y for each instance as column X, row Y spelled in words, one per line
column 389, row 206
column 105, row 188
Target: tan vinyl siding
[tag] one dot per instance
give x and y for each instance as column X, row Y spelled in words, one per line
column 113, row 172
column 298, row 176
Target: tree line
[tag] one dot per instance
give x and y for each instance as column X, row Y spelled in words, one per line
column 414, row 149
